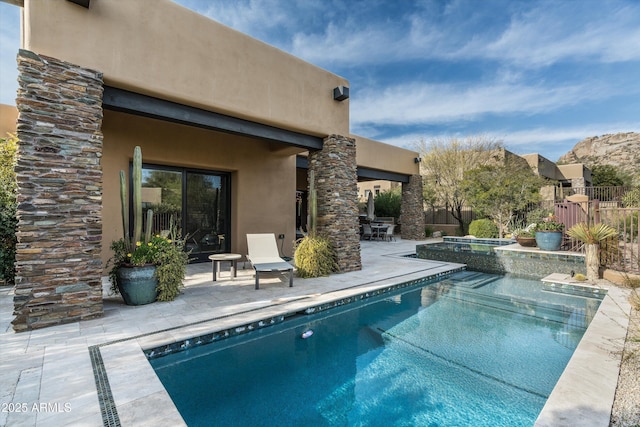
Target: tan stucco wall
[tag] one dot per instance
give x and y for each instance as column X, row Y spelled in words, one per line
column 8, row 117
column 372, row 186
column 262, row 182
column 377, row 155
column 161, row 49
column 543, row 166
column 575, row 170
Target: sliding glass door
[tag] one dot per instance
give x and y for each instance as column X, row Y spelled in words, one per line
column 206, row 213
column 196, row 201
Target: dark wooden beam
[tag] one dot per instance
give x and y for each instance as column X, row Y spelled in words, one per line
column 364, row 174
column 142, row 105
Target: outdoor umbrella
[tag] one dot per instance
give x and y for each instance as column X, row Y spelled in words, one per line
column 370, row 207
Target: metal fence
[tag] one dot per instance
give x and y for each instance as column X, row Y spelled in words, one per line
column 620, row 253
column 161, row 222
column 603, row 194
column 443, row 216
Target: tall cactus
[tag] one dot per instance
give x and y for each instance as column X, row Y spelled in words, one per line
column 136, row 176
column 124, row 203
column 313, row 204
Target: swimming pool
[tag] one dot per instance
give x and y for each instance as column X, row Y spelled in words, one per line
column 473, row 349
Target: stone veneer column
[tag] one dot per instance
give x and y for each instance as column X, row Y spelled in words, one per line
column 58, row 265
column 412, row 209
column 336, row 182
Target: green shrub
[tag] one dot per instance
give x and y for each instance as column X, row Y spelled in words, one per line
column 537, row 215
column 8, row 221
column 388, row 203
column 8, row 224
column 428, row 231
column 314, row 257
column 483, row 228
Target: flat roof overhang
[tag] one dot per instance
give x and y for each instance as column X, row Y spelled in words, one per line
column 121, row 100
column 364, row 174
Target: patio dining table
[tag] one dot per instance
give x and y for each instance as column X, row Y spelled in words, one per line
column 379, row 230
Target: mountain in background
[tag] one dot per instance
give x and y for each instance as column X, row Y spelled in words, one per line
column 621, row 150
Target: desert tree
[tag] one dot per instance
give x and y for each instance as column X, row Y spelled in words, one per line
column 444, row 162
column 607, row 176
column 500, row 190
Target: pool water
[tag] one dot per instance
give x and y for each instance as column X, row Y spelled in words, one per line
column 473, row 349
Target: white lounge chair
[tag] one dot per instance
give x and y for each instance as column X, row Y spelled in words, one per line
column 264, row 256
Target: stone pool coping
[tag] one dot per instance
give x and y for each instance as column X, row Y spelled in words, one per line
column 591, row 376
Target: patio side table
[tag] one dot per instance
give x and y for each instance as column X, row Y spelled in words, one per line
column 218, row 258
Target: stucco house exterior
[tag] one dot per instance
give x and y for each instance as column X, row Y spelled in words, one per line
column 229, row 128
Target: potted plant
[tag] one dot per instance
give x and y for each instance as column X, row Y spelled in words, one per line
column 145, row 267
column 549, row 233
column 592, row 237
column 525, row 236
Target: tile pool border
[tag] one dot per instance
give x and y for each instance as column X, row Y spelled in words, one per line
column 188, row 343
column 579, row 387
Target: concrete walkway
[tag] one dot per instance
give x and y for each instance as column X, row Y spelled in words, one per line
column 49, row 376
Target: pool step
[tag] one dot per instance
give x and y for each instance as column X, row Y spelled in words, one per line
column 573, row 289
column 471, row 279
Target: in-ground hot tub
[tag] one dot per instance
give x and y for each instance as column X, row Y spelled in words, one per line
column 501, row 256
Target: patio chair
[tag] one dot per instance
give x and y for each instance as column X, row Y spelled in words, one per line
column 366, row 231
column 264, row 256
column 389, row 233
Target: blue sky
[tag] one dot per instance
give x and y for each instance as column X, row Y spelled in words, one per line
column 538, row 75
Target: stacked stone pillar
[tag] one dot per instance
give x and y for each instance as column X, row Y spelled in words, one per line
column 336, row 182
column 58, row 265
column 412, row 209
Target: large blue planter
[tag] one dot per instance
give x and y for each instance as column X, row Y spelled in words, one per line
column 137, row 284
column 549, row 240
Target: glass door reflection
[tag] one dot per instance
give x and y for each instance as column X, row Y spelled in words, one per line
column 197, row 200
column 206, row 222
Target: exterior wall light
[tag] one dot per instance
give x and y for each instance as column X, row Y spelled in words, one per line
column 417, row 159
column 341, row 93
column 83, row 3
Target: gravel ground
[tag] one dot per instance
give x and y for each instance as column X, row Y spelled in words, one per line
column 626, row 406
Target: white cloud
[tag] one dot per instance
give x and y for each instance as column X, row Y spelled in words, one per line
column 536, row 34
column 526, row 138
column 551, row 142
column 246, row 16
column 559, row 31
column 424, row 103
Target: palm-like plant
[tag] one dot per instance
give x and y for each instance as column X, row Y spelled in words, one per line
column 592, row 236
